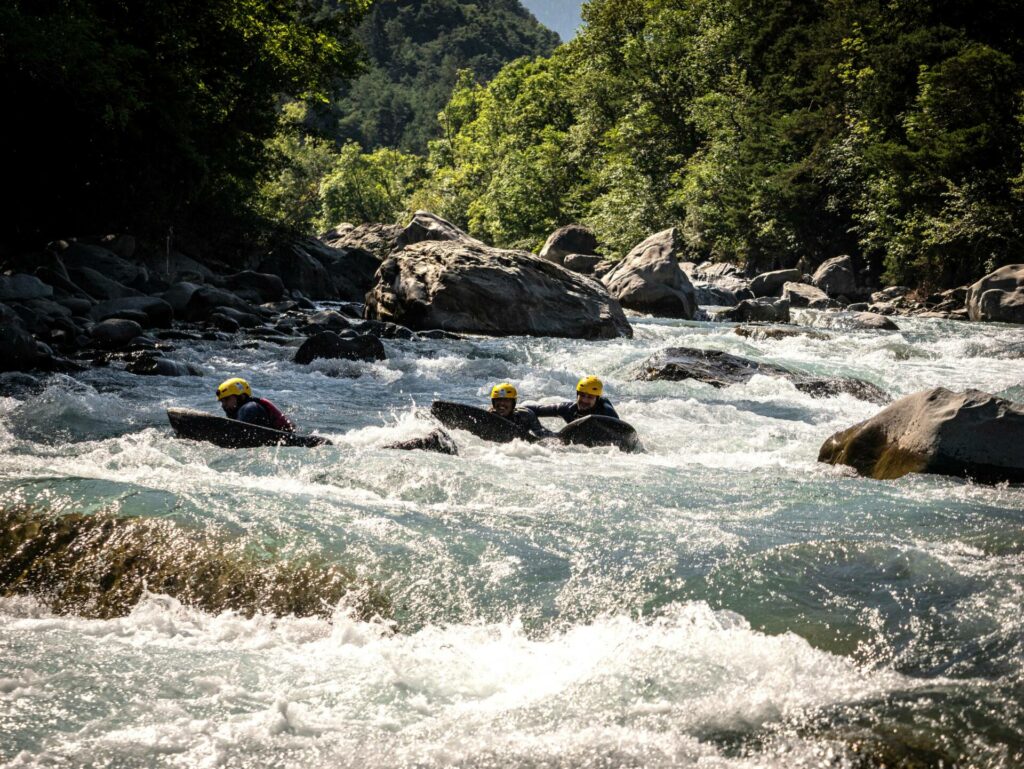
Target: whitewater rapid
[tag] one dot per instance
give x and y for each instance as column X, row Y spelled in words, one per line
column 722, row 600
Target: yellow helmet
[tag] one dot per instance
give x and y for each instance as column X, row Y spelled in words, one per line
column 234, row 386
column 504, row 390
column 590, row 385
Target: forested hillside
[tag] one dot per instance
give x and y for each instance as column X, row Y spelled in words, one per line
column 414, row 48
column 771, row 132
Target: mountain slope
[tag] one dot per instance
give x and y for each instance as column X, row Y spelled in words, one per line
column 414, row 50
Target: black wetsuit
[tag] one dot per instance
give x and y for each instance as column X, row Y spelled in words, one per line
column 263, row 413
column 528, row 421
column 570, row 410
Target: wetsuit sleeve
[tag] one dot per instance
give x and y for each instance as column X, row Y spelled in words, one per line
column 608, row 410
column 545, row 411
column 254, row 414
column 528, row 421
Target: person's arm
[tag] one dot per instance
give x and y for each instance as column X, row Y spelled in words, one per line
column 529, row 421
column 545, row 411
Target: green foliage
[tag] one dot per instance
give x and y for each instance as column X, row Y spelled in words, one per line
column 773, row 133
column 139, row 115
column 414, row 50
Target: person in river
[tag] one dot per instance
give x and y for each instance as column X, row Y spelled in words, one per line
column 589, row 400
column 236, row 399
column 504, row 397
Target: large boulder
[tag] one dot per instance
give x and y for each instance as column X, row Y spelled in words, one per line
column 805, row 295
column 99, row 286
column 999, row 296
column 21, row 287
column 771, row 283
column 723, row 369
column 328, row 344
column 205, row 300
column 650, row 279
column 464, row 286
column 104, row 261
column 570, row 239
column 255, row 287
column 971, row 434
column 378, row 239
column 178, row 296
column 156, row 311
column 426, row 226
column 351, row 270
column 583, row 263
column 836, row 277
column 299, row 269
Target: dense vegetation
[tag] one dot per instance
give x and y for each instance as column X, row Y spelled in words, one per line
column 141, row 116
column 414, row 50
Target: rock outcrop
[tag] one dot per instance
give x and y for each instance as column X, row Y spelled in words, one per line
column 971, row 434
column 722, row 369
column 765, row 310
column 463, row 286
column 836, row 277
column 651, row 280
column 771, row 283
column 999, row 296
column 805, row 295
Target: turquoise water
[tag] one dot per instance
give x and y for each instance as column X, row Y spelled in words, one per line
column 721, row 600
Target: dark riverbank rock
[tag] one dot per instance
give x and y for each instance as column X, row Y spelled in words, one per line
column 570, row 239
column 771, row 283
column 22, row 287
column 156, row 312
column 650, row 279
column 438, row 441
column 81, row 256
column 583, row 263
column 116, row 332
column 806, row 295
column 999, row 296
column 18, row 350
column 467, row 287
column 971, row 434
column 378, row 239
column 99, row 286
column 203, row 301
column 254, row 287
column 722, row 369
column 299, row 269
column 328, row 344
column 765, row 310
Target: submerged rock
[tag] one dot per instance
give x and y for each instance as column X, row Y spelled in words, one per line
column 651, row 280
column 328, row 344
column 778, row 332
column 722, row 369
column 847, row 321
column 99, row 565
column 115, row 332
column 765, row 310
column 971, row 434
column 157, row 365
column 438, row 441
column 467, row 287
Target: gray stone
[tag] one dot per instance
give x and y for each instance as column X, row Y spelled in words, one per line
column 18, row 349
column 98, row 285
column 803, row 295
column 222, row 322
column 426, row 226
column 848, row 321
column 999, row 296
column 80, row 256
column 582, row 263
column 299, row 269
column 570, row 239
column 712, row 294
column 156, row 365
column 971, row 434
column 377, row 239
column 771, row 283
column 22, row 287
column 650, row 280
column 890, row 293
column 243, row 319
column 722, row 369
column 255, row 287
column 178, row 296
column 115, row 332
column 156, row 312
column 327, row 344
column 466, row 287
column 765, row 310
column 205, row 300
column 836, row 277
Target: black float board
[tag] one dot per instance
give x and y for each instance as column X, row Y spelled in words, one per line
column 595, row 430
column 482, row 423
column 232, row 434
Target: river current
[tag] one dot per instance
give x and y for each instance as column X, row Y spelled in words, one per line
column 721, row 600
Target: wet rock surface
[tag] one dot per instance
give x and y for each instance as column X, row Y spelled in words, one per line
column 651, row 280
column 328, row 344
column 970, row 434
column 722, row 369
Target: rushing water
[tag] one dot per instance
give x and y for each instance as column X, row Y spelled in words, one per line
column 721, row 600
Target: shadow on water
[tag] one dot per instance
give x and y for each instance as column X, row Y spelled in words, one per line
column 100, row 565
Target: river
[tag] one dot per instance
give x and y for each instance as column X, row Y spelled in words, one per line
column 721, row 600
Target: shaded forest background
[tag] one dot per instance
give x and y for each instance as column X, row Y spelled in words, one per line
column 773, row 134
